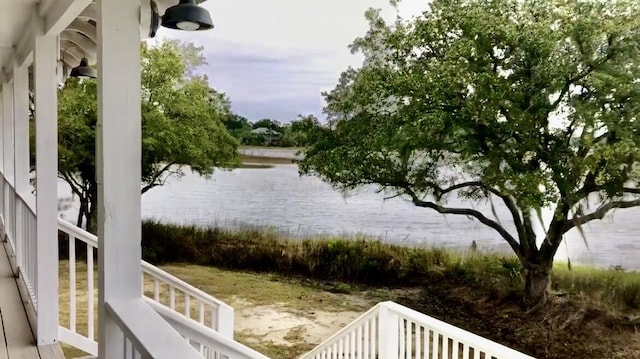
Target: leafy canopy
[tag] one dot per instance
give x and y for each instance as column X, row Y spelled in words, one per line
column 532, row 103
column 181, row 122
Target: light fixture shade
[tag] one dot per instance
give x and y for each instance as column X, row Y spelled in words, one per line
column 187, row 16
column 84, row 70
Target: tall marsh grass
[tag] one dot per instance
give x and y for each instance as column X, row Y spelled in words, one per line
column 368, row 261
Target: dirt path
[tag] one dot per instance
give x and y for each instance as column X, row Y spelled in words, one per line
column 281, row 325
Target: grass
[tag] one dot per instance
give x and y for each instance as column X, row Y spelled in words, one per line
column 256, row 165
column 248, row 159
column 610, row 286
column 373, row 262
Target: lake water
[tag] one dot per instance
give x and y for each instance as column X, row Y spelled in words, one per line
column 280, row 198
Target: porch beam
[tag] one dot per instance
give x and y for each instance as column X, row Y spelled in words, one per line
column 46, row 118
column 60, row 13
column 118, row 165
column 23, row 49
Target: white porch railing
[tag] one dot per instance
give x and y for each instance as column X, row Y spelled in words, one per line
column 19, row 218
column 209, row 343
column 391, row 331
column 191, row 309
column 189, row 301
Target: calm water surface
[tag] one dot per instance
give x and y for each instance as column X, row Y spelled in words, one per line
column 306, row 206
column 279, row 197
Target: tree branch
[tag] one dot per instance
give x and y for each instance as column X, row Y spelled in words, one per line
column 506, row 199
column 75, row 186
column 467, row 212
column 631, row 190
column 598, row 214
column 157, row 175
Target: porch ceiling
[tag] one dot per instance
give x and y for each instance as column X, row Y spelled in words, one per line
column 78, row 36
column 13, row 15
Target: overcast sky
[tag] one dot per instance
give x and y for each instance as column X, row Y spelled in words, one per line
column 273, row 58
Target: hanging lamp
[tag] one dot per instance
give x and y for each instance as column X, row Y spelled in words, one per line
column 84, row 70
column 187, row 15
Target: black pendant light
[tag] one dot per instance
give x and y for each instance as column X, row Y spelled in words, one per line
column 83, row 70
column 187, row 15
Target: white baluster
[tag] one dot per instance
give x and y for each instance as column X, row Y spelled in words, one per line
column 418, row 337
column 187, row 305
column 156, row 290
column 455, row 349
column 90, row 308
column 365, row 352
column 72, row 283
column 172, row 297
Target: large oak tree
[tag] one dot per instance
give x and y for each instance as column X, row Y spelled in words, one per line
column 530, row 103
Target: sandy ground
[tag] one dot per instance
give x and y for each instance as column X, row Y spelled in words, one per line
column 285, row 326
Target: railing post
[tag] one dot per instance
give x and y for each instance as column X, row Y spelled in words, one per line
column 388, row 333
column 46, row 117
column 118, row 164
column 225, row 322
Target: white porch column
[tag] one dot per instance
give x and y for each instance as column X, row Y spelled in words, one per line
column 8, row 151
column 118, row 164
column 2, row 86
column 21, row 128
column 20, row 153
column 7, row 143
column 2, row 171
column 46, row 113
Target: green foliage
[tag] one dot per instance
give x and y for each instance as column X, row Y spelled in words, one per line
column 181, row 124
column 529, row 103
column 239, row 127
column 297, row 133
column 268, row 123
column 302, row 130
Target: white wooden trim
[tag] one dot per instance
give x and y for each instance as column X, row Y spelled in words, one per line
column 118, row 166
column 204, row 336
column 76, row 340
column 46, row 117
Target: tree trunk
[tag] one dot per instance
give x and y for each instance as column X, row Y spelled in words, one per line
column 92, row 212
column 536, row 287
column 92, row 220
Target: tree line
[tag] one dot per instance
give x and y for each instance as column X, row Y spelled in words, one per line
column 268, row 132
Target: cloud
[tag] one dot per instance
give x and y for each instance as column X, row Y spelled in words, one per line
column 275, row 57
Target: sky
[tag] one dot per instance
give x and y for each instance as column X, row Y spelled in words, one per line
column 273, row 58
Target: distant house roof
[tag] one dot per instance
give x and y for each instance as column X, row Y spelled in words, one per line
column 264, row 131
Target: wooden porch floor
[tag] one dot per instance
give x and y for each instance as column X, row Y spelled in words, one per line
column 16, row 338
